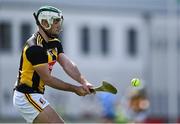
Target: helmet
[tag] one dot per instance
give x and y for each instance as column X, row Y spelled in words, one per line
column 49, row 13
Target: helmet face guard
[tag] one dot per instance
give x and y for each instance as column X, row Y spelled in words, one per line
column 48, row 13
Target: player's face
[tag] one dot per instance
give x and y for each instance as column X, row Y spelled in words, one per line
column 56, row 27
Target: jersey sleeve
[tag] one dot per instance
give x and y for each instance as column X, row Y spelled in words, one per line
column 36, row 55
column 60, row 48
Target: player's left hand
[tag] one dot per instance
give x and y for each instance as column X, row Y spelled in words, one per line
column 79, row 90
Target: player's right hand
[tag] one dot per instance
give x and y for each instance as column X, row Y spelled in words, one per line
column 79, row 90
column 87, row 86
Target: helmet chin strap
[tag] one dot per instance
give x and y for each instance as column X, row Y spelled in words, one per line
column 45, row 31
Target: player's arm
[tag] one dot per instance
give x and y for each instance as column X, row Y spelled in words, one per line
column 72, row 70
column 56, row 83
column 37, row 56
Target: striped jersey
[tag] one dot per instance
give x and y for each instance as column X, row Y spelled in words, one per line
column 36, row 52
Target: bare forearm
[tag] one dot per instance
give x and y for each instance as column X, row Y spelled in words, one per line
column 74, row 73
column 56, row 83
column 60, row 85
column 70, row 68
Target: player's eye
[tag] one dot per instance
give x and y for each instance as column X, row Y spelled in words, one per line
column 56, row 20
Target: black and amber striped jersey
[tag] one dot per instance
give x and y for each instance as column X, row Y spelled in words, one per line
column 36, row 52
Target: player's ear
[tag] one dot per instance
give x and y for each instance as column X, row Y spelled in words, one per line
column 44, row 23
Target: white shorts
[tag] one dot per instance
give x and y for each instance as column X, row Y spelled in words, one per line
column 29, row 105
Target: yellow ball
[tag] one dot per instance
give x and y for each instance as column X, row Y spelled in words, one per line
column 135, row 82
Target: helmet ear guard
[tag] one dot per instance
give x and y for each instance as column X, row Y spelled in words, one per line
column 38, row 23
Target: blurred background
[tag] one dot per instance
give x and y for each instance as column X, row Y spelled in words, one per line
column 113, row 40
